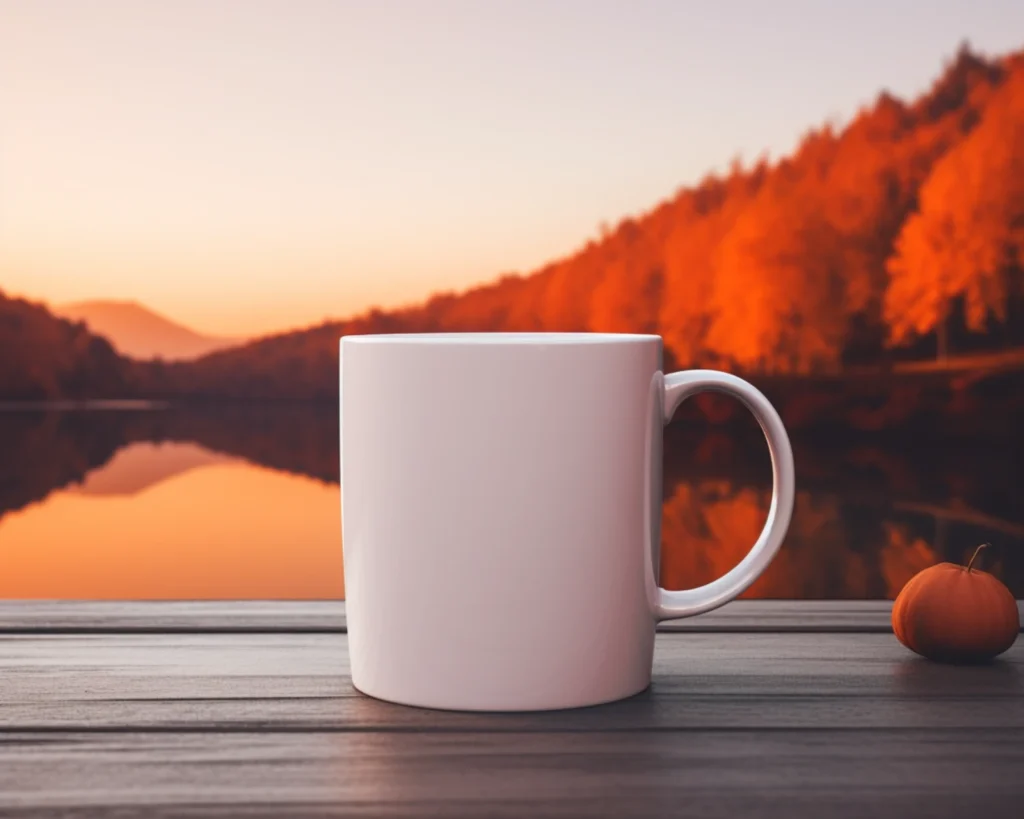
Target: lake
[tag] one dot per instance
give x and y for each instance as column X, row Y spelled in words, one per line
column 220, row 502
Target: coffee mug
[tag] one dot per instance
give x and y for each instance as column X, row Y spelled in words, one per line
column 501, row 507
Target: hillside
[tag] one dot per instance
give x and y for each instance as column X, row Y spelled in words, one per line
column 43, row 357
column 138, row 332
column 895, row 237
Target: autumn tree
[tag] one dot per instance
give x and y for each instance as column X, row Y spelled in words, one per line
column 568, row 288
column 776, row 301
column 46, row 357
column 967, row 239
column 701, row 217
column 628, row 286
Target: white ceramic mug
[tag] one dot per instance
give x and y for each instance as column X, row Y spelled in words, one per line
column 501, row 503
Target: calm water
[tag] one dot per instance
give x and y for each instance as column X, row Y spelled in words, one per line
column 244, row 503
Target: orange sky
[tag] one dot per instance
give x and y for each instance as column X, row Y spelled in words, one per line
column 247, row 167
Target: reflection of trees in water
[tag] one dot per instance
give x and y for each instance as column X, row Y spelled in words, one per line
column 861, row 525
column 41, row 452
column 902, row 557
column 868, row 514
column 865, row 520
column 46, row 451
column 300, row 439
column 709, row 526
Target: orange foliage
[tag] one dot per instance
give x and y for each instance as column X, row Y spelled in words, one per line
column 776, row 296
column 626, row 298
column 967, row 240
column 703, row 217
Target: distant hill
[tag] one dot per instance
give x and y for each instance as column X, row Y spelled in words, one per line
column 138, row 332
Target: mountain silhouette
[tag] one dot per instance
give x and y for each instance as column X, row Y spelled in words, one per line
column 138, row 332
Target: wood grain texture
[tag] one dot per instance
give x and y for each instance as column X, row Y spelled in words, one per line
column 735, row 724
column 328, row 617
column 144, row 617
column 825, row 774
column 323, row 616
column 300, row 683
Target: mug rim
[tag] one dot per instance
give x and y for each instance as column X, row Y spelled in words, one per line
column 501, row 338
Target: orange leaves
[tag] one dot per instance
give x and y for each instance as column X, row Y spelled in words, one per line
column 774, row 294
column 967, row 239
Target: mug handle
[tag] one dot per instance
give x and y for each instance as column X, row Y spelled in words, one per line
column 677, row 388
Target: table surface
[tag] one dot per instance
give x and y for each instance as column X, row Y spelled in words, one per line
column 760, row 709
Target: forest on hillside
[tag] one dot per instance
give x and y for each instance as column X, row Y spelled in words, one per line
column 898, row 236
column 44, row 357
column 900, row 233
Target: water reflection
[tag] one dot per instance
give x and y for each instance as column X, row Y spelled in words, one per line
column 240, row 502
column 707, row 525
column 222, row 528
column 141, row 465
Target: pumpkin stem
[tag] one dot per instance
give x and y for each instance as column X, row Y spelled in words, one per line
column 975, row 555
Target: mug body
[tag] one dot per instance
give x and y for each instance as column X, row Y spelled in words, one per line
column 499, row 502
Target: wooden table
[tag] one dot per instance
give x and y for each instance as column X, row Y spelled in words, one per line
column 246, row 709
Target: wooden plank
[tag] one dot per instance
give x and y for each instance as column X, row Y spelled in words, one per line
column 826, row 774
column 163, row 616
column 791, row 617
column 300, row 683
column 328, row 616
column 266, row 725
column 316, row 616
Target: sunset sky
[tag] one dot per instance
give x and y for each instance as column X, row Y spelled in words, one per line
column 251, row 166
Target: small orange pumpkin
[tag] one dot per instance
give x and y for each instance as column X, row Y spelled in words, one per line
column 956, row 614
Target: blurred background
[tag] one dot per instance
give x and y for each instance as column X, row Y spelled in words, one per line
column 197, row 199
